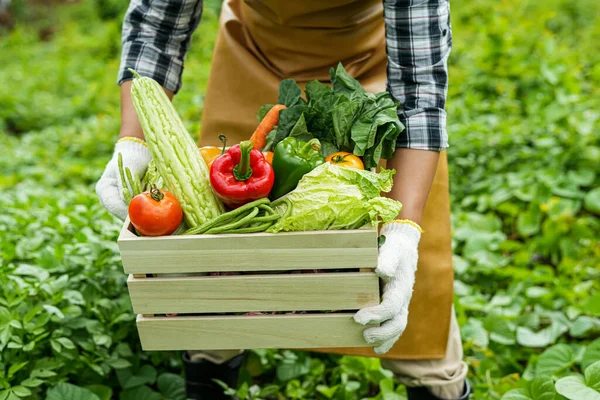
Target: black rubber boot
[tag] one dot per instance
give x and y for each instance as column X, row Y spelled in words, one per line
column 199, row 376
column 422, row 393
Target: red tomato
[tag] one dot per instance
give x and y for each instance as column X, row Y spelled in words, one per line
column 155, row 213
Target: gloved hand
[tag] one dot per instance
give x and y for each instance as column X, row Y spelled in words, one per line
column 397, row 265
column 109, row 188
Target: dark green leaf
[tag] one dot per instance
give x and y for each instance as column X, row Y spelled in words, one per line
column 140, row 393
column 555, row 359
column 172, row 386
column 299, row 130
column 343, row 83
column 103, row 392
column 529, row 222
column 67, row 391
column 289, row 93
column 591, row 201
column 591, row 355
column 592, row 304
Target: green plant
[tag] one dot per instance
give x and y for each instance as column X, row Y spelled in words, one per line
column 523, row 123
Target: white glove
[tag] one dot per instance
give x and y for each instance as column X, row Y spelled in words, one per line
column 109, row 188
column 397, row 266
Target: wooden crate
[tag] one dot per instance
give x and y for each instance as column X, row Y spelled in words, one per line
column 170, row 275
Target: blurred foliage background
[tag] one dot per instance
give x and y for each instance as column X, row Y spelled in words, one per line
column 524, row 126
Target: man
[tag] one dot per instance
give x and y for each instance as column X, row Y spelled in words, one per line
column 402, row 45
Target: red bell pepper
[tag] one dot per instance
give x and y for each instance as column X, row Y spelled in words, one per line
column 241, row 175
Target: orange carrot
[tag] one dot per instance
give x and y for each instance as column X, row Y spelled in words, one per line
column 259, row 137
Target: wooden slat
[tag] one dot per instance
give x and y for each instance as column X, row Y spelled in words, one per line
column 249, row 252
column 245, row 332
column 246, row 293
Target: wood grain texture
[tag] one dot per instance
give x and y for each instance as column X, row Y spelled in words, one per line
column 246, row 293
column 250, row 332
column 248, row 252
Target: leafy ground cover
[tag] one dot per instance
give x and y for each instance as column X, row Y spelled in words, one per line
column 524, row 117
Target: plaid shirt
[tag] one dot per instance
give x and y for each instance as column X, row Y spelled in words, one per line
column 157, row 33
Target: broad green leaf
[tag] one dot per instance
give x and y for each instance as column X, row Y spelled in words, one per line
column 327, row 391
column 555, row 359
column 474, row 330
column 289, row 92
column 119, row 363
column 103, row 392
column 16, row 368
column 517, row 394
column 592, row 305
column 526, row 337
column 67, row 391
column 124, row 350
column 171, row 386
column 32, row 270
column 42, row 373
column 146, row 375
column 386, row 386
column 591, row 354
column 66, row 343
column 574, row 388
column 535, row 292
column 592, row 376
column 528, row 223
column 287, row 371
column 52, row 310
column 582, row 177
column 21, row 391
column 499, row 329
column 582, row 325
column 542, row 388
column 140, row 393
column 591, row 201
column 32, row 382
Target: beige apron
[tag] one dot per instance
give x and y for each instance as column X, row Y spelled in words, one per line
column 262, row 42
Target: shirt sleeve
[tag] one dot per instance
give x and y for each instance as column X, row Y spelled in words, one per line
column 156, row 36
column 418, row 42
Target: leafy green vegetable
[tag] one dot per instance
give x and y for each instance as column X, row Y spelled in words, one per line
column 332, row 197
column 289, row 93
column 343, row 117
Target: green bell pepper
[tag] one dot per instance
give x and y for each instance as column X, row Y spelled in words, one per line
column 291, row 160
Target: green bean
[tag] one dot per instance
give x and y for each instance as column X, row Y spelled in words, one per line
column 267, row 208
column 134, row 184
column 236, row 224
column 126, row 193
column 267, row 218
column 226, row 217
column 259, row 228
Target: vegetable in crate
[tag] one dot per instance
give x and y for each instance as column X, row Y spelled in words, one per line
column 252, row 217
column 345, row 159
column 266, row 125
column 344, row 117
column 211, row 153
column 176, row 156
column 155, row 213
column 332, row 197
column 241, row 175
column 293, row 159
